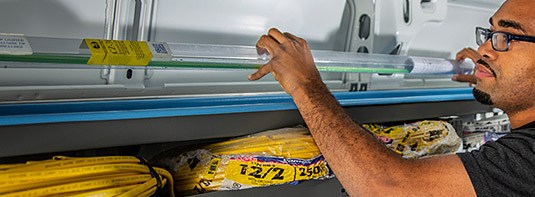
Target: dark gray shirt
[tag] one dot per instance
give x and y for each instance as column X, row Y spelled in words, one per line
column 505, row 167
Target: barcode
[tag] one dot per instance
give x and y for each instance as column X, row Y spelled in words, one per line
column 159, row 48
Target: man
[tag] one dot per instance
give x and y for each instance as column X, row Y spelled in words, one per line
column 505, row 71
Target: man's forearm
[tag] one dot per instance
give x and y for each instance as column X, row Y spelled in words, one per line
column 353, row 153
column 362, row 164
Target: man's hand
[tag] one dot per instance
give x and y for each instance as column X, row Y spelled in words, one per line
column 461, row 56
column 290, row 63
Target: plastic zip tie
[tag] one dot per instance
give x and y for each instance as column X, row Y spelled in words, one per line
column 153, row 173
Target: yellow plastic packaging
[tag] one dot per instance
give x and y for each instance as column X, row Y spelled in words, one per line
column 275, row 157
column 418, row 139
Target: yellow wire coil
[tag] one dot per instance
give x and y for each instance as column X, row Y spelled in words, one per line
column 89, row 176
column 206, row 169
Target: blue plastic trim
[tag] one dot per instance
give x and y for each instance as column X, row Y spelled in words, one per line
column 20, row 114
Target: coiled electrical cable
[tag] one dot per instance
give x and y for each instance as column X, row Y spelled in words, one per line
column 83, row 176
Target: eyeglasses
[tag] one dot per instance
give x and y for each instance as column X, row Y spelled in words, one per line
column 500, row 40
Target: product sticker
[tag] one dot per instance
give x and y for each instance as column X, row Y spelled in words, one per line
column 14, row 44
column 264, row 171
column 118, row 52
column 160, row 51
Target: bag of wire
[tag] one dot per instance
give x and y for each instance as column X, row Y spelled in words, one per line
column 283, row 156
column 418, row 139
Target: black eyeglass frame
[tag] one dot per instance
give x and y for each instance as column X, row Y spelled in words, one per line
column 489, row 34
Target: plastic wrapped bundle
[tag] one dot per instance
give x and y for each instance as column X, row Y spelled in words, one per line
column 418, row 139
column 269, row 158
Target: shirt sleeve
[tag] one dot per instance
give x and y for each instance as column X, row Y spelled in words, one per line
column 505, row 167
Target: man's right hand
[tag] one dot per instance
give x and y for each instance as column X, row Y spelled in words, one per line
column 291, row 62
column 461, row 56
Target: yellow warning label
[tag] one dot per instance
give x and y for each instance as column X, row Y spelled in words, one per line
column 118, row 52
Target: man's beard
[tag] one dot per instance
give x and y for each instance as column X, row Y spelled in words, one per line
column 482, row 97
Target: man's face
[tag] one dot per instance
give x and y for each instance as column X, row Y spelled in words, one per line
column 508, row 79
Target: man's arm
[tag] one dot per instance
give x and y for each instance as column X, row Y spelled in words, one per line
column 362, row 164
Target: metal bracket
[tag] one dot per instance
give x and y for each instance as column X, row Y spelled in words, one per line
column 360, row 38
column 127, row 20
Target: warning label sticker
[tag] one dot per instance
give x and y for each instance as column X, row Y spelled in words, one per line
column 118, row 52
